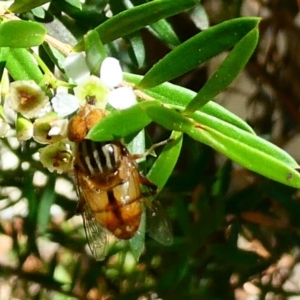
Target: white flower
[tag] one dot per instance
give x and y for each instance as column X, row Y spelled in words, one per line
column 50, row 129
column 94, row 90
column 111, row 74
column 56, row 157
column 64, row 104
column 26, row 97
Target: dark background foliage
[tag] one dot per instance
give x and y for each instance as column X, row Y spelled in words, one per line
column 236, row 234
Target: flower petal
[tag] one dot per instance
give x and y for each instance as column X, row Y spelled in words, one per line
column 76, row 67
column 4, row 127
column 111, row 72
column 59, row 128
column 49, row 129
column 122, row 98
column 64, row 104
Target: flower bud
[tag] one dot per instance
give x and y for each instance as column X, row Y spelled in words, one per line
column 24, row 128
column 4, row 126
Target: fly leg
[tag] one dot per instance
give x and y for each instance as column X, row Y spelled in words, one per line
column 151, row 151
column 146, row 182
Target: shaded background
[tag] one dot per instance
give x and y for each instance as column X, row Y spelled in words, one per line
column 236, row 234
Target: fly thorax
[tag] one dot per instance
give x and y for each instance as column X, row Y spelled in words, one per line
column 97, row 158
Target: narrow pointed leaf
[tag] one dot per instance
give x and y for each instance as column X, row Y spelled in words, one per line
column 137, row 50
column 251, row 140
column 169, row 93
column 44, row 206
column 21, row 65
column 138, row 17
column 164, row 31
column 137, row 145
column 197, row 50
column 31, row 197
column 21, row 34
column 232, row 65
column 75, row 3
column 169, row 118
column 122, row 123
column 56, row 57
column 164, row 165
column 250, row 151
column 21, row 6
column 242, row 147
column 95, row 52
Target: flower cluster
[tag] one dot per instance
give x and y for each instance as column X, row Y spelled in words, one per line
column 42, row 113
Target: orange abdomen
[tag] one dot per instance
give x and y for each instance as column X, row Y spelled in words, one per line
column 109, row 182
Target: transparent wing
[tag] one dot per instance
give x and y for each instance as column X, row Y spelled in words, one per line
column 158, row 223
column 97, row 236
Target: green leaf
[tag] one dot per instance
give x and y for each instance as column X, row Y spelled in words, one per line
column 250, row 151
column 122, row 123
column 253, row 141
column 161, row 29
column 39, row 12
column 56, row 56
column 29, row 193
column 232, row 65
column 164, row 31
column 169, row 118
column 137, row 49
column 75, row 3
column 95, row 52
column 169, row 93
column 199, row 16
column 242, row 147
column 45, row 203
column 177, row 273
column 137, row 144
column 164, row 165
column 21, row 6
column 21, row 65
column 136, row 18
column 21, row 34
column 221, row 185
column 136, row 243
column 204, row 45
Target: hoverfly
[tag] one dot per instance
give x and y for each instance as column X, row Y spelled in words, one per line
column 109, row 184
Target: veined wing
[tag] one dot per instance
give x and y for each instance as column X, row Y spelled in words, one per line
column 97, row 236
column 158, row 224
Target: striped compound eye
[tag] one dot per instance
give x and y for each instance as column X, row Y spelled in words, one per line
column 112, row 192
